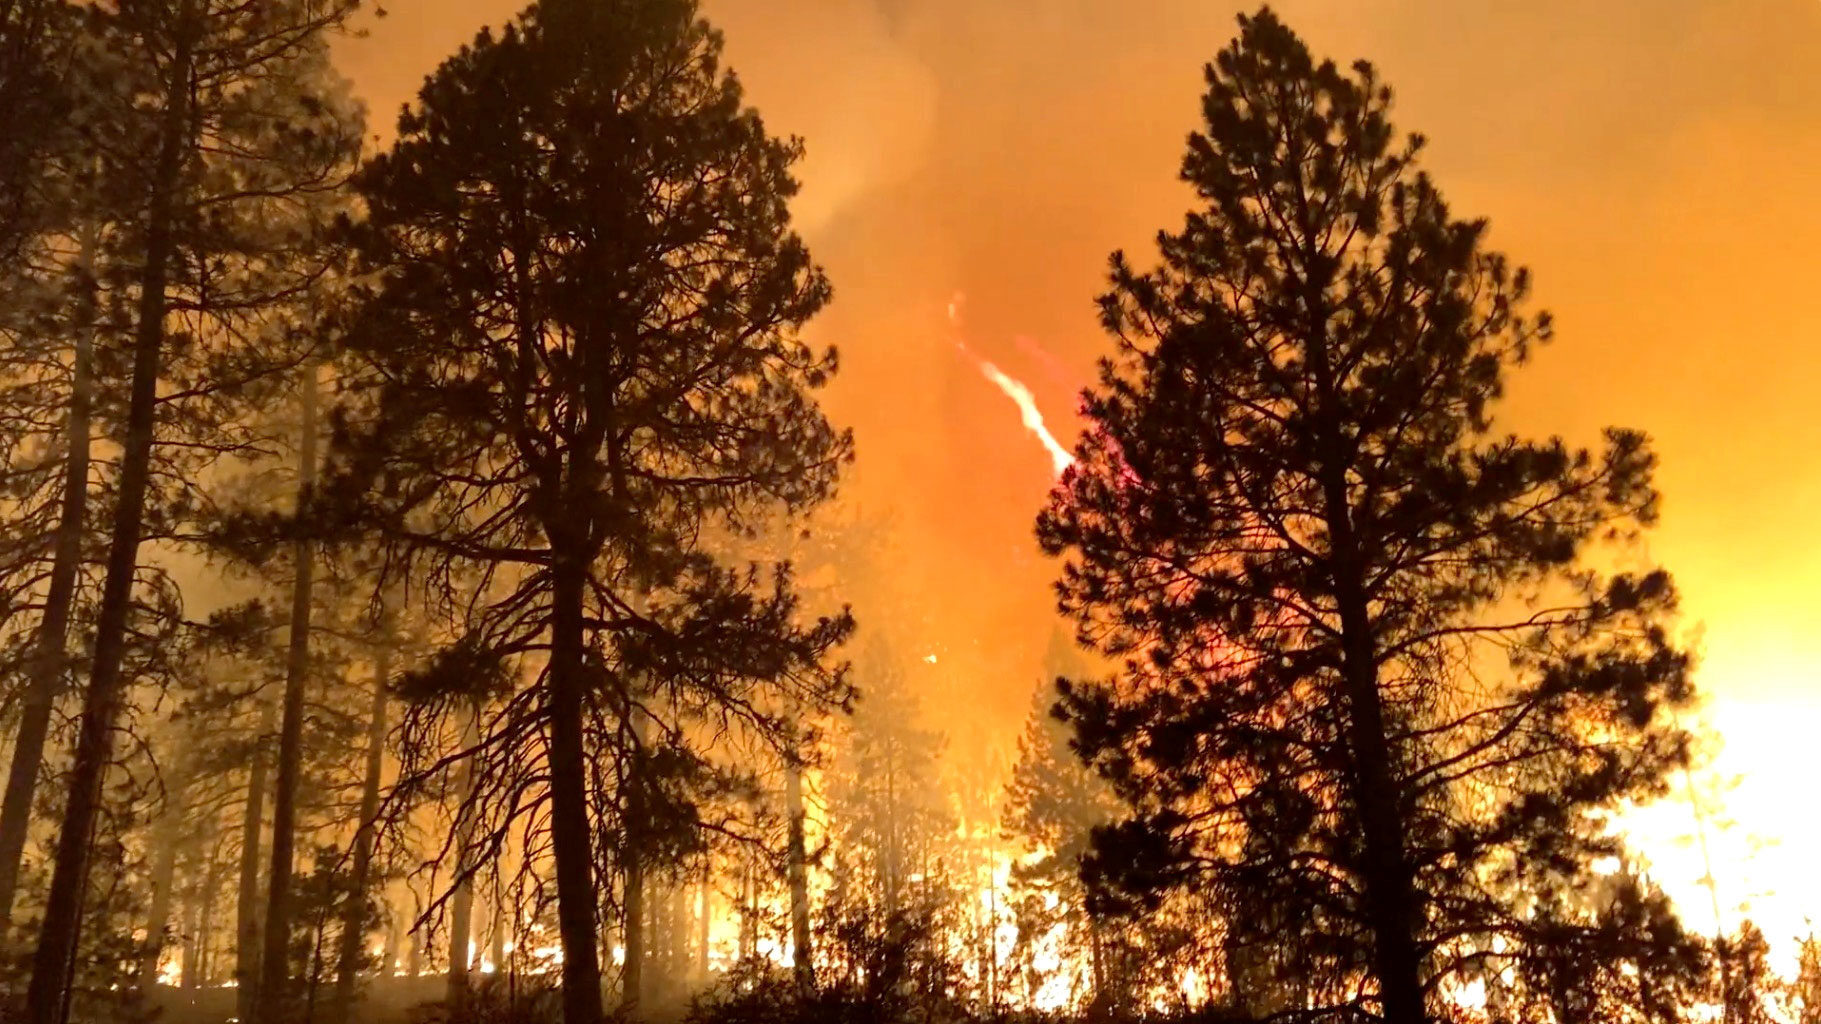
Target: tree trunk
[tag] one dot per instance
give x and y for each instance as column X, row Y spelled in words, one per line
column 632, row 970
column 414, row 956
column 1390, row 885
column 461, row 943
column 164, row 876
column 246, row 908
column 892, row 854
column 164, row 873
column 1097, row 980
column 749, row 898
column 50, row 654
column 354, row 921
column 46, row 999
column 274, row 963
column 498, row 926
column 461, row 904
column 704, row 915
column 676, row 968
column 632, row 859
column 395, row 937
column 196, row 965
column 798, row 870
column 570, row 841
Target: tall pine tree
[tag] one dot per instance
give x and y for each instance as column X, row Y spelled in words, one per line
column 1373, row 670
column 583, row 345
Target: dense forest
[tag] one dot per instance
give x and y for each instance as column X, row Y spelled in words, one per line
column 428, row 592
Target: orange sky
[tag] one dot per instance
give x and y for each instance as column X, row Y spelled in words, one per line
column 1653, row 161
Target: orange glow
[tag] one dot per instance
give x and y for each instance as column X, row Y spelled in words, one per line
column 1654, row 167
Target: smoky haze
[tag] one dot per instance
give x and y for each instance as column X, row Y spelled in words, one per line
column 1651, row 160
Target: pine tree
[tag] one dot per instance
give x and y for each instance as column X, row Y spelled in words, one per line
column 335, row 626
column 242, row 133
column 356, row 917
column 59, row 222
column 889, row 811
column 583, row 349
column 1372, row 669
column 1053, row 804
column 50, row 480
column 45, row 72
column 271, row 993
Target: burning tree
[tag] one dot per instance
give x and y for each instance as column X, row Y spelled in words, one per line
column 1053, row 804
column 581, row 345
column 1373, row 671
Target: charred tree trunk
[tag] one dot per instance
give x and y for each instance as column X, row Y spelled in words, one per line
column 571, row 843
column 52, row 963
column 50, row 654
column 246, row 908
column 274, row 966
column 354, row 923
column 798, row 869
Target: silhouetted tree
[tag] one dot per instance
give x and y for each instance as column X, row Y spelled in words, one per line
column 242, row 129
column 356, row 916
column 60, row 166
column 1372, row 668
column 582, row 348
column 49, row 488
column 46, row 74
column 274, row 961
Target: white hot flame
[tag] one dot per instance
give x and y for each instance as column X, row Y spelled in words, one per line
column 1060, row 458
column 1014, row 389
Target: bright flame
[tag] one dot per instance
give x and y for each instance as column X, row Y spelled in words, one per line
column 1014, row 389
column 1060, row 459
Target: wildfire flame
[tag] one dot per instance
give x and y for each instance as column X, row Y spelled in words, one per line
column 1014, row 389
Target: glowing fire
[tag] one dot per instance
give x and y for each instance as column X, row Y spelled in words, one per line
column 1014, row 389
column 1060, row 458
